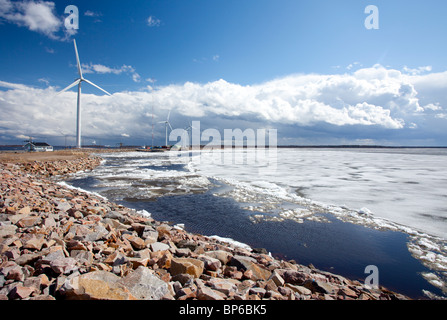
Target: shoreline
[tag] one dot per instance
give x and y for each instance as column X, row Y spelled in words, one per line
column 61, row 243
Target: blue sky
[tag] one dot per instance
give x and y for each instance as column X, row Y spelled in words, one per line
column 309, row 69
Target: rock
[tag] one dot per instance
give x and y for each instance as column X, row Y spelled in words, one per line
column 346, row 291
column 25, row 210
column 137, row 243
column 164, row 231
column 249, row 264
column 38, row 283
column 185, row 294
column 7, row 230
column 222, row 285
column 43, row 297
column 20, row 292
column 99, row 232
column 149, row 235
column 317, row 286
column 82, row 256
column 190, row 266
column 29, row 221
column 63, row 265
column 258, row 291
column 294, row 277
column 97, row 285
column 223, row 256
column 210, row 263
column 34, row 243
column 144, row 285
column 116, row 258
column 188, row 244
column 277, row 279
column 16, row 274
column 299, row 289
column 206, row 293
column 159, row 246
column 63, row 206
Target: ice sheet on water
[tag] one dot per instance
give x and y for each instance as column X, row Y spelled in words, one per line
column 392, row 191
column 232, row 242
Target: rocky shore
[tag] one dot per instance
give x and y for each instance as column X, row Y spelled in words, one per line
column 62, row 243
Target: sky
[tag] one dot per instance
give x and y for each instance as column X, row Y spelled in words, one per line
column 320, row 72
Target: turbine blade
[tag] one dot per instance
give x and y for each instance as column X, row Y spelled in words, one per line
column 70, row 86
column 77, row 59
column 89, row 82
column 169, row 114
column 169, row 125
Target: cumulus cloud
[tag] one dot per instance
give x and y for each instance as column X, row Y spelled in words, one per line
column 372, row 100
column 38, row 16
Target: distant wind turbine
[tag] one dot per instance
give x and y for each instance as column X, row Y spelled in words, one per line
column 166, row 126
column 79, row 82
column 188, row 131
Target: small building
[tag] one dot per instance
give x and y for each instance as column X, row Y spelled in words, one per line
column 38, row 147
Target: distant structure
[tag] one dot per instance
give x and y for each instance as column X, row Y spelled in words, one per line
column 38, row 147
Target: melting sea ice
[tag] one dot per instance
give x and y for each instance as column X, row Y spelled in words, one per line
column 339, row 209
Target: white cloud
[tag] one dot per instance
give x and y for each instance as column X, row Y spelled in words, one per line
column 89, row 13
column 38, row 16
column 102, row 69
column 377, row 99
column 417, row 71
column 153, row 21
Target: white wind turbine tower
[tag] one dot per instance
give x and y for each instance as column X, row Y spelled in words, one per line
column 79, row 82
column 166, row 126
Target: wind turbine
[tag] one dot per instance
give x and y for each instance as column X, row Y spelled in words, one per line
column 166, row 126
column 79, row 82
column 189, row 129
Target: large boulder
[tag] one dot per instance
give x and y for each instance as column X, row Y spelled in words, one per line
column 97, row 285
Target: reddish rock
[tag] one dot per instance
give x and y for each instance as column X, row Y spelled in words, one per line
column 190, row 266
